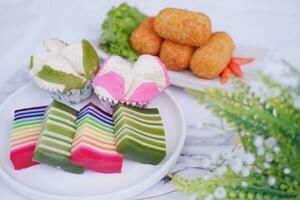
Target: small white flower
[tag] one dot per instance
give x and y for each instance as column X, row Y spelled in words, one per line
column 220, row 193
column 286, row 171
column 277, row 149
column 260, row 151
column 258, row 141
column 245, row 171
column 209, row 197
column 269, row 157
column 236, row 165
column 271, row 180
column 244, row 184
column 271, row 142
column 249, row 158
column 267, row 165
column 220, row 171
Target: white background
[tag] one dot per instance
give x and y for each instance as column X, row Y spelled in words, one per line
column 24, row 25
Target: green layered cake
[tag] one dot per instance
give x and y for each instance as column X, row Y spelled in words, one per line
column 55, row 140
column 139, row 134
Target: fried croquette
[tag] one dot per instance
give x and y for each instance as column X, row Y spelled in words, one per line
column 183, row 26
column 144, row 39
column 175, row 56
column 209, row 61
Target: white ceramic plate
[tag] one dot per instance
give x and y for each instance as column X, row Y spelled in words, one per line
column 48, row 183
column 186, row 79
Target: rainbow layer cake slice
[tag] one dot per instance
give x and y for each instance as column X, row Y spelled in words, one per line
column 139, row 134
column 55, row 140
column 25, row 133
column 94, row 143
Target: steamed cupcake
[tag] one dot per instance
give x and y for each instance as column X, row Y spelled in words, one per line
column 135, row 84
column 65, row 70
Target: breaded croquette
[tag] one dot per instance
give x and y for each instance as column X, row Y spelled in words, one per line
column 144, row 39
column 183, row 26
column 175, row 56
column 209, row 61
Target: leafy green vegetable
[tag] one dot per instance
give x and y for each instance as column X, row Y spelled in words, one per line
column 120, row 23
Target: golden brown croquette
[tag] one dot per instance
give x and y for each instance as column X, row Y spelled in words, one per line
column 175, row 56
column 209, row 61
column 144, row 39
column 183, row 26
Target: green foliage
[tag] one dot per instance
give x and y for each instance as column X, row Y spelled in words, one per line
column 271, row 119
column 117, row 28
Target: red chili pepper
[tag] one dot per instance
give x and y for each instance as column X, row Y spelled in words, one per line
column 242, row 61
column 235, row 69
column 225, row 75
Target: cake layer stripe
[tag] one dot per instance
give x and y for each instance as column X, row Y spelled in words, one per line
column 26, row 123
column 94, row 141
column 91, row 105
column 154, row 116
column 60, row 125
column 141, row 120
column 126, row 132
column 57, row 129
column 108, row 131
column 24, row 141
column 53, row 149
column 20, row 131
column 60, row 112
column 95, row 131
column 129, row 137
column 95, row 110
column 31, row 109
column 57, row 136
column 133, row 129
column 88, row 117
column 94, row 148
column 96, row 135
column 28, row 115
column 94, row 114
column 148, row 128
column 61, row 120
column 22, row 136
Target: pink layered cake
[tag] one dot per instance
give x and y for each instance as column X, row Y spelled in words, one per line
column 136, row 84
column 94, row 146
column 25, row 133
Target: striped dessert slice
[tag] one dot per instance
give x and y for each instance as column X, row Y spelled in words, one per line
column 94, row 144
column 24, row 136
column 56, row 137
column 139, row 134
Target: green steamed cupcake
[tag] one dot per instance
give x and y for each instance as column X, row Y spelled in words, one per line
column 65, row 70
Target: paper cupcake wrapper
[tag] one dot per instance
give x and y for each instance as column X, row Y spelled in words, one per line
column 108, row 103
column 74, row 96
column 70, row 97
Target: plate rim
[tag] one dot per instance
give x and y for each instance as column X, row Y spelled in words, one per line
column 122, row 194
